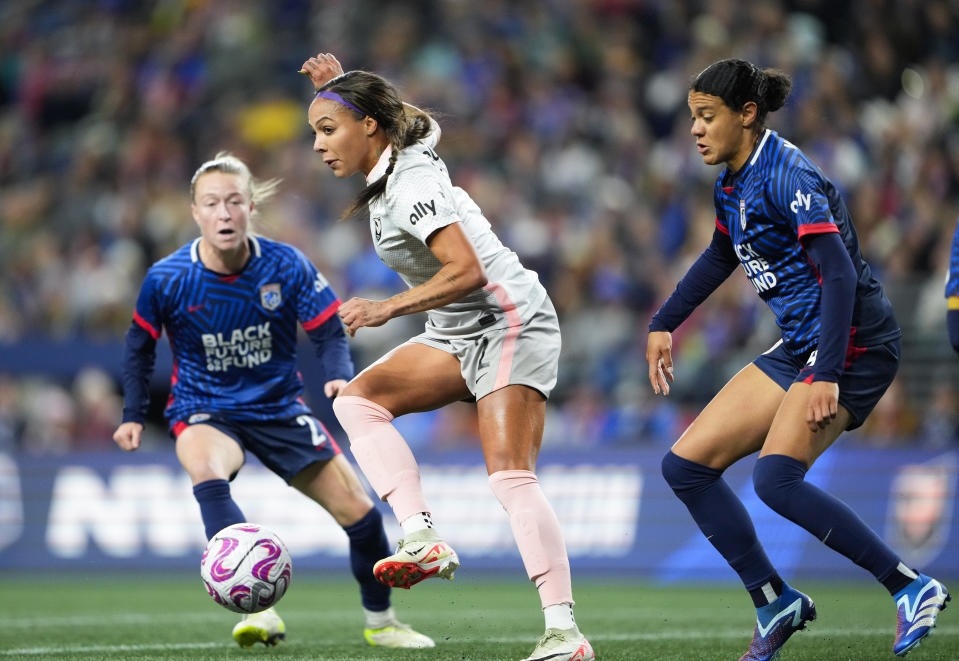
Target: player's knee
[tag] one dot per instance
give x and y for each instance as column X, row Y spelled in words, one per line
column 683, row 475
column 774, row 478
column 356, row 413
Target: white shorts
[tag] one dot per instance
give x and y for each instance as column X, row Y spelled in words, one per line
column 518, row 355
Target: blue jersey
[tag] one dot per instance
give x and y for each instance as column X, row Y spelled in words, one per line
column 766, row 208
column 234, row 337
column 952, row 282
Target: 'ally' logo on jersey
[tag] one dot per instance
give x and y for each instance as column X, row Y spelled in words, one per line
column 420, row 209
column 270, row 296
column 377, row 227
column 800, row 201
column 742, row 213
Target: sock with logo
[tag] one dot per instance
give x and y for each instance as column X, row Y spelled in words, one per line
column 724, row 521
column 780, row 483
column 217, row 508
column 368, row 544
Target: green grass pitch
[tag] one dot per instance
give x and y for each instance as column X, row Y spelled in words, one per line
column 120, row 616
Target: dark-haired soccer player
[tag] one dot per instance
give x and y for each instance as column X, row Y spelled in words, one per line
column 783, row 222
column 230, row 302
column 952, row 292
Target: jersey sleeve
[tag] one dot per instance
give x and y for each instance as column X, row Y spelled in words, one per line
column 798, row 194
column 952, row 279
column 423, row 202
column 148, row 313
column 315, row 300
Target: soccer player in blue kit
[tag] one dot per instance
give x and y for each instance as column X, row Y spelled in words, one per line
column 230, row 302
column 952, row 292
column 784, row 223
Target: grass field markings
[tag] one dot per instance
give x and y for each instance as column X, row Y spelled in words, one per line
column 92, row 649
column 504, row 640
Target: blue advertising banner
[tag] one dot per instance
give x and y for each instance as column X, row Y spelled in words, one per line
column 116, row 510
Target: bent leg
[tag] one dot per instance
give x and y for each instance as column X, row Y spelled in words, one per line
column 731, row 426
column 511, row 430
column 336, row 487
column 414, row 377
column 210, row 457
column 779, row 479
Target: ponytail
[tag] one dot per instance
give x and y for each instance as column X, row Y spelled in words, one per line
column 737, row 82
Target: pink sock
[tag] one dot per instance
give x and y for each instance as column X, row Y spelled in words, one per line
column 382, row 454
column 536, row 530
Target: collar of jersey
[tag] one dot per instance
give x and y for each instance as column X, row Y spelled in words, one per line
column 380, row 168
column 254, row 251
column 730, row 178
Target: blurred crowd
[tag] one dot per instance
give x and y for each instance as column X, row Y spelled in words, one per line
column 566, row 121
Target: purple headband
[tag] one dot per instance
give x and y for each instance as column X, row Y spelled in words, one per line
column 333, row 96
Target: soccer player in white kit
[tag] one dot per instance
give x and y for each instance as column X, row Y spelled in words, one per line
column 492, row 335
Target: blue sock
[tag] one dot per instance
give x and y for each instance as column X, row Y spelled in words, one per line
column 724, row 521
column 368, row 544
column 217, row 508
column 780, row 483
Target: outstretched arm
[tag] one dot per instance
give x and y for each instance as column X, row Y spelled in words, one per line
column 706, row 274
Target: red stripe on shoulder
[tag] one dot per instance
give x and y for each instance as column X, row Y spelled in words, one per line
column 145, row 325
column 817, row 228
column 722, row 228
column 319, row 319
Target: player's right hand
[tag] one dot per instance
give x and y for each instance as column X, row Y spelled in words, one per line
column 659, row 356
column 321, row 69
column 127, row 436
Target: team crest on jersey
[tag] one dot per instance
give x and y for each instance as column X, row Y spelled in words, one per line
column 270, row 296
column 377, row 227
column 742, row 214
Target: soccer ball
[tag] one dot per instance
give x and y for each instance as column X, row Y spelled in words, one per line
column 246, row 568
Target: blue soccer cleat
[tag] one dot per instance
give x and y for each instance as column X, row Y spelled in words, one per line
column 776, row 622
column 919, row 604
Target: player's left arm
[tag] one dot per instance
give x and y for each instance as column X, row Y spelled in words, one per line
column 461, row 272
column 808, row 208
column 317, row 305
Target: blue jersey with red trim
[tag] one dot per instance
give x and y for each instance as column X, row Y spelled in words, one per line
column 952, row 282
column 234, row 337
column 766, row 208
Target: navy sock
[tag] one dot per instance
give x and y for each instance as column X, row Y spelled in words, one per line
column 217, row 508
column 724, row 521
column 368, row 544
column 780, row 483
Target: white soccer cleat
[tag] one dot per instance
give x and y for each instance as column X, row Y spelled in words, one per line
column 421, row 555
column 397, row 634
column 264, row 627
column 562, row 645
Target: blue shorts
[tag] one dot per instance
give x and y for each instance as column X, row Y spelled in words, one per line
column 286, row 447
column 866, row 376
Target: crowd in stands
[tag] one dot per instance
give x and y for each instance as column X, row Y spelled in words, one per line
column 566, row 121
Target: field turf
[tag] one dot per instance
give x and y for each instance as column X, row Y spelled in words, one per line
column 118, row 616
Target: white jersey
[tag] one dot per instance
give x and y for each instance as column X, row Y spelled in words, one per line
column 420, row 199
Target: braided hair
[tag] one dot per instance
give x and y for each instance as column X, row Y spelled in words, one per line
column 737, row 82
column 371, row 95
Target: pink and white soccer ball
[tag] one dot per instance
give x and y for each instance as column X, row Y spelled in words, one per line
column 246, row 568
